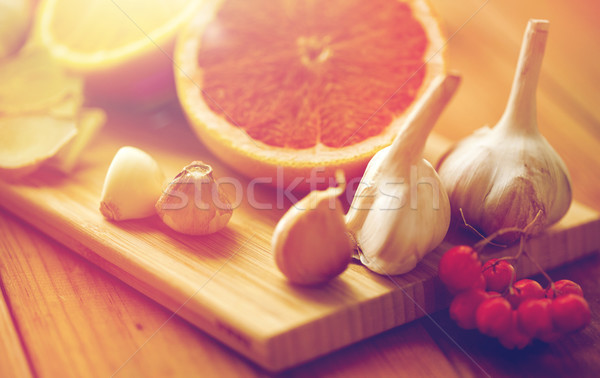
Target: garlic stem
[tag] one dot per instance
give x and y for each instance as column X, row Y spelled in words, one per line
column 521, row 110
column 410, row 141
column 198, row 168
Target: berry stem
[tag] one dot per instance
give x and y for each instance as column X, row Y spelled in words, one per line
column 476, row 231
column 524, row 232
column 515, row 258
column 534, row 261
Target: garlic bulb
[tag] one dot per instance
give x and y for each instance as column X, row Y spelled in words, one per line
column 310, row 244
column 400, row 211
column 193, row 203
column 502, row 177
column 132, row 185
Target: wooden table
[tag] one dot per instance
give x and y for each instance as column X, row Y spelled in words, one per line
column 62, row 316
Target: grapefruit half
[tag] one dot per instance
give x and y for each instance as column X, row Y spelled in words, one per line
column 289, row 91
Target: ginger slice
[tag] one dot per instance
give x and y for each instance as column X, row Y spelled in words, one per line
column 28, row 141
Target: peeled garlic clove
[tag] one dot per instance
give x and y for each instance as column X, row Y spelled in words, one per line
column 132, row 185
column 310, row 243
column 193, row 203
column 502, row 177
column 401, row 211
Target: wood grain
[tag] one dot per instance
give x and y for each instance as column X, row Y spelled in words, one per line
column 13, row 361
column 95, row 325
column 226, row 283
column 77, row 321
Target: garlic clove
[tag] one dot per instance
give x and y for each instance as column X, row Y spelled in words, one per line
column 503, row 176
column 132, row 185
column 193, row 203
column 396, row 234
column 310, row 243
column 401, row 211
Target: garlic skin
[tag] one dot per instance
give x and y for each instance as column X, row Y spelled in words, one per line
column 132, row 185
column 503, row 176
column 193, row 203
column 310, row 243
column 401, row 211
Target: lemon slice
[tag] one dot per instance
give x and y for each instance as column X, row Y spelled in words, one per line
column 95, row 35
column 28, row 141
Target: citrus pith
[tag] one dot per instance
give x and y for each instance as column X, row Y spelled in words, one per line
column 288, row 90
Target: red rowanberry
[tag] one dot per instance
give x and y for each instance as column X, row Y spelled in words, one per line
column 460, row 268
column 464, row 305
column 514, row 338
column 534, row 317
column 563, row 287
column 570, row 313
column 480, row 284
column 525, row 289
column 494, row 316
column 498, row 274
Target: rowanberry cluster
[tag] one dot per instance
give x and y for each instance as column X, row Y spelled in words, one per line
column 515, row 314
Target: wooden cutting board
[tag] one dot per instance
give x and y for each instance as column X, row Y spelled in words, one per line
column 227, row 283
